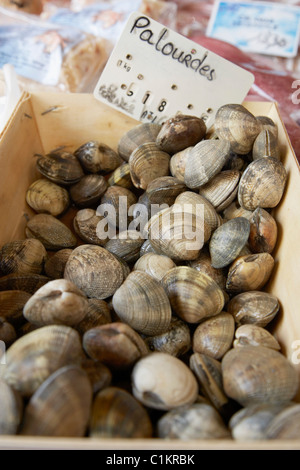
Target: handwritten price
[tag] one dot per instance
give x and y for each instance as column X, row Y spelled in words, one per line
column 269, row 39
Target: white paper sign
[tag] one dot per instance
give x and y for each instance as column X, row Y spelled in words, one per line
column 262, row 27
column 154, row 72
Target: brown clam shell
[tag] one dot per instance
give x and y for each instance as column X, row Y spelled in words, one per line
column 60, row 406
column 95, row 157
column 94, row 270
column 116, row 413
column 255, row 374
column 138, row 135
column 22, row 257
column 180, row 132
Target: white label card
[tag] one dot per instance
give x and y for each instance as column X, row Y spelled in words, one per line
column 154, row 73
column 261, row 27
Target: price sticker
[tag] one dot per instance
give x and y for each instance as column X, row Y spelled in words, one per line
column 154, row 73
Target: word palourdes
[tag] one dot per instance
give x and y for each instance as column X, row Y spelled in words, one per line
column 169, row 49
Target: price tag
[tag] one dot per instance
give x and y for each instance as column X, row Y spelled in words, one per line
column 262, row 27
column 154, row 73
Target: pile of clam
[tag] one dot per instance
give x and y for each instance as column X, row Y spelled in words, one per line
column 139, row 333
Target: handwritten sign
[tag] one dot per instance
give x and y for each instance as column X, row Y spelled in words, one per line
column 154, row 72
column 265, row 28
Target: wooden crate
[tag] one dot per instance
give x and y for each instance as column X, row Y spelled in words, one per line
column 45, row 121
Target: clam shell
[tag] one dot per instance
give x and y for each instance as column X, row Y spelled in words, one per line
column 116, row 345
column 60, row 406
column 121, row 177
column 116, row 413
column 205, row 160
column 164, row 190
column 95, row 157
column 180, row 132
column 154, row 265
column 178, row 162
column 61, row 167
column 142, row 303
column 208, row 372
column 255, row 374
column 44, row 196
column 116, row 201
column 22, row 257
column 222, row 189
column 147, row 163
column 235, row 210
column 94, row 270
column 99, row 375
column 179, row 231
column 286, row 424
column 59, row 302
column 234, row 123
column 265, row 145
column 266, row 123
column 214, row 336
column 193, row 296
column 138, row 135
column 163, row 382
column 253, row 335
column 196, row 421
column 227, row 241
column 191, row 200
column 11, row 410
column 251, row 423
column 126, row 245
column 7, row 332
column 11, row 306
column 262, row 184
column 35, row 356
column 254, row 307
column 147, row 248
column 250, row 272
column 24, row 282
column 263, row 231
column 175, row 341
column 85, row 225
column 55, row 265
column 88, row 190
column 203, row 265
column 97, row 314
column 53, row 233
